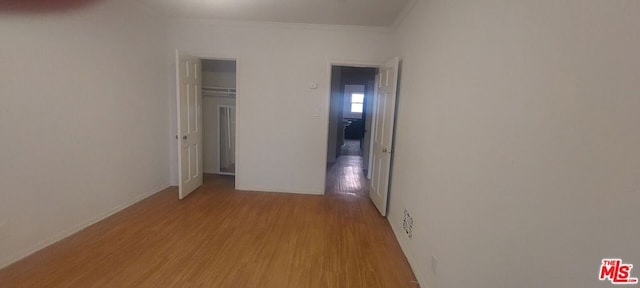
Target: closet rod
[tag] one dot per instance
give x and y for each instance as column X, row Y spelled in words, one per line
column 219, row 95
column 219, row 89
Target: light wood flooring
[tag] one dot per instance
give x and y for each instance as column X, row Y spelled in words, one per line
column 218, row 237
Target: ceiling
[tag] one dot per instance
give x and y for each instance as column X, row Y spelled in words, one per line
column 336, row 12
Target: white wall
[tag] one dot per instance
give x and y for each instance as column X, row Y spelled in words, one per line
column 279, row 151
column 518, row 148
column 219, row 73
column 83, row 119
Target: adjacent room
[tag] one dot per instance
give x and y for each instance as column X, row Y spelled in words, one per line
column 350, row 129
column 319, row 143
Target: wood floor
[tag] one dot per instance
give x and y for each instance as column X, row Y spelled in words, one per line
column 346, row 178
column 351, row 148
column 218, row 237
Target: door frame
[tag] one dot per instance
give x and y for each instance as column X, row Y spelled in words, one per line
column 208, row 56
column 330, row 64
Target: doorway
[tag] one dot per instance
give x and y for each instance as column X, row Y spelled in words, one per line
column 206, row 122
column 350, row 127
column 219, row 116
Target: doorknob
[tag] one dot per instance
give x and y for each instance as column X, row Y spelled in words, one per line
column 384, row 150
column 184, row 137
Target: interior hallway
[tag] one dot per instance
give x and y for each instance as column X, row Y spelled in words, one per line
column 219, row 237
column 351, row 148
column 345, row 176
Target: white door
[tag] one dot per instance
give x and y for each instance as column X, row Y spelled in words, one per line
column 384, row 114
column 189, row 123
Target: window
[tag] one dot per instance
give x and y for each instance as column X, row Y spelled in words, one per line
column 357, row 102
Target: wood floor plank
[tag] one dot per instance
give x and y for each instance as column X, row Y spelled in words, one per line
column 219, row 237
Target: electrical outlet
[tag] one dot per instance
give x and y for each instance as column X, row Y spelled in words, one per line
column 407, row 224
column 434, row 264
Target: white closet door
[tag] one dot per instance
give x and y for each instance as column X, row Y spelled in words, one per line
column 189, row 99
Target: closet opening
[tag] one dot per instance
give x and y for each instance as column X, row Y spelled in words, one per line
column 219, row 116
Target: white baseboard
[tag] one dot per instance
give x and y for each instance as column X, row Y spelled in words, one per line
column 278, row 190
column 68, row 232
column 420, row 276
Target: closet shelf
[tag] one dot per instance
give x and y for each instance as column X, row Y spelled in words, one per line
column 218, row 91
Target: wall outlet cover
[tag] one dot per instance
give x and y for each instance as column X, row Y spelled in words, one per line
column 434, row 264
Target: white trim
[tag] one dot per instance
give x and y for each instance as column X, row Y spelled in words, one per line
column 285, row 25
column 281, row 190
column 76, row 228
column 353, row 63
